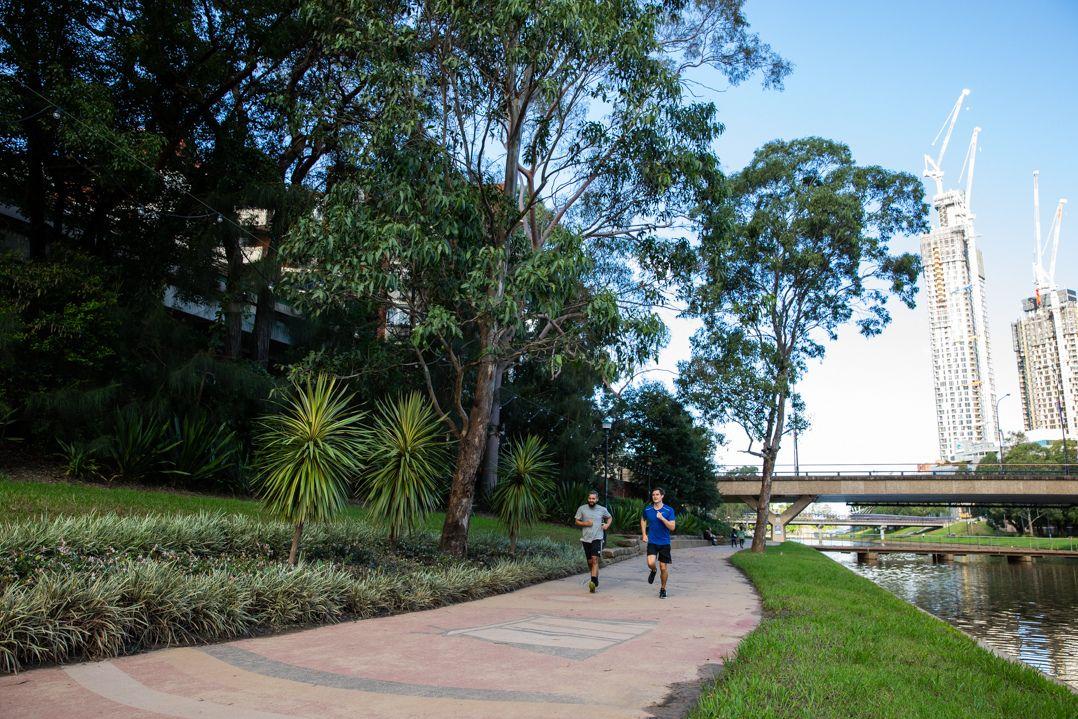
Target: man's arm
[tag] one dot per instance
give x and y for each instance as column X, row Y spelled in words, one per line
column 580, row 523
column 607, row 520
column 644, row 528
column 668, row 523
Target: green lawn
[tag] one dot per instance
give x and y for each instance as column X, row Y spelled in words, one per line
column 835, row 645
column 26, row 499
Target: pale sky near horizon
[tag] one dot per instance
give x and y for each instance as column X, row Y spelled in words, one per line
column 881, row 77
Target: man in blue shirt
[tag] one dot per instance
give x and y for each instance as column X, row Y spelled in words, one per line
column 656, row 523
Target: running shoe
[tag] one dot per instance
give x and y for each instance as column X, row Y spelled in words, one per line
column 651, row 577
column 662, row 594
column 591, row 586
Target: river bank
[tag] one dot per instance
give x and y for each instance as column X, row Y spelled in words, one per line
column 1025, row 610
column 834, row 644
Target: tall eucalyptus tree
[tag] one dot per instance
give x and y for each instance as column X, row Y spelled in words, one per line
column 799, row 249
column 541, row 194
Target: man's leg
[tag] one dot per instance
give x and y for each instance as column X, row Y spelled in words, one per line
column 593, row 565
column 663, row 574
column 651, row 568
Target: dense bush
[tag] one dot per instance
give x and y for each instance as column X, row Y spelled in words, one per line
column 99, row 586
column 626, row 513
column 140, row 605
column 566, row 498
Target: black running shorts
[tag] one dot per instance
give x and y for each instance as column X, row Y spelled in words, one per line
column 662, row 551
column 593, row 548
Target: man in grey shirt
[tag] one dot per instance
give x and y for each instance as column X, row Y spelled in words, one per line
column 595, row 520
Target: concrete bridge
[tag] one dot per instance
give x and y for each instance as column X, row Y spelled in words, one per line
column 940, row 551
column 1056, row 486
column 863, row 520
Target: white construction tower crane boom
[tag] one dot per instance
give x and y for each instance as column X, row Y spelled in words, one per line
column 968, row 166
column 933, row 166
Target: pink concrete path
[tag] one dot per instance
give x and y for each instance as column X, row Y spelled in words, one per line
column 550, row 650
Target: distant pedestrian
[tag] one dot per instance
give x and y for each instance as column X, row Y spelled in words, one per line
column 733, row 537
column 741, row 538
column 594, row 519
column 656, row 523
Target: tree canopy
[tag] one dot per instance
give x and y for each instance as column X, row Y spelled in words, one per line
column 799, row 248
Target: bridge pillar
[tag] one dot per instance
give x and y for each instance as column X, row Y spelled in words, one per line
column 867, row 557
column 942, row 558
column 1019, row 558
column 778, row 522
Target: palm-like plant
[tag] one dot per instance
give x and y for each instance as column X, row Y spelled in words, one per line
column 307, row 453
column 526, row 480
column 407, row 455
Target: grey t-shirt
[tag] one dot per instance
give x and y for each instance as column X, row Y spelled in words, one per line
column 597, row 515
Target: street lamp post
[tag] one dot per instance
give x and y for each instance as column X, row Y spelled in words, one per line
column 606, row 462
column 999, row 430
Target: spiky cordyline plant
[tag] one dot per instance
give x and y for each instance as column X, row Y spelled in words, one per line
column 408, row 454
column 307, row 453
column 526, row 481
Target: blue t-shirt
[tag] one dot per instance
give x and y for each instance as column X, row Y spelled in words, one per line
column 657, row 531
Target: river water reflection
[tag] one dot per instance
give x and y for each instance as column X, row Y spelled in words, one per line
column 1026, row 610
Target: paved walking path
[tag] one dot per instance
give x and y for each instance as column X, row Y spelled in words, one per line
column 550, row 650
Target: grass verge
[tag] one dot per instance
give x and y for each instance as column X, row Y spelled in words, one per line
column 99, row 586
column 835, row 645
column 24, row 500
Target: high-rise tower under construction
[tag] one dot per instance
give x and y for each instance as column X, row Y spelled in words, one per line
column 965, row 391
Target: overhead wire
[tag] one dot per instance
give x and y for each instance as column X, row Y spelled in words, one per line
column 222, row 217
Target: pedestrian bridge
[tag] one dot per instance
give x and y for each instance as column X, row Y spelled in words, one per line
column 863, row 520
column 1016, row 486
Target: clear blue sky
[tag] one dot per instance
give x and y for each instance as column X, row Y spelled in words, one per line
column 881, row 77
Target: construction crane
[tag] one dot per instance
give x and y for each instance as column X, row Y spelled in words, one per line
column 1047, row 292
column 967, row 169
column 933, row 166
column 1045, row 277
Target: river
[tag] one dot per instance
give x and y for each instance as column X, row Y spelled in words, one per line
column 1028, row 610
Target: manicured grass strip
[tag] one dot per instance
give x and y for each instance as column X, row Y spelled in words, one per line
column 835, row 645
column 31, row 500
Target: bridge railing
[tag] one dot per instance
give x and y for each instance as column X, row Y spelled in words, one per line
column 985, row 471
column 1067, row 544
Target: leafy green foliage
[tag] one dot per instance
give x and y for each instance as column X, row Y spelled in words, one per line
column 662, row 443
column 138, row 447
column 307, row 454
column 205, row 455
column 406, row 459
column 83, row 587
column 1025, row 458
column 626, row 513
column 81, row 459
column 560, row 255
column 799, row 249
column 525, row 482
column 63, row 322
column 567, row 498
column 561, row 409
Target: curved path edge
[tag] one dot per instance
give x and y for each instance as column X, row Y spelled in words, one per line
column 548, row 650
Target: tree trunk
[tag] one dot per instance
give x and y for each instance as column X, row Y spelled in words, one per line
column 513, row 543
column 35, row 190
column 293, row 555
column 759, row 535
column 469, row 455
column 494, row 437
column 265, row 318
column 234, row 298
column 771, row 447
